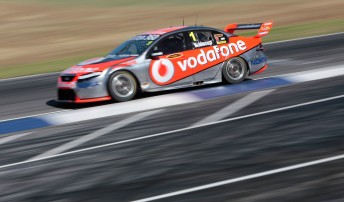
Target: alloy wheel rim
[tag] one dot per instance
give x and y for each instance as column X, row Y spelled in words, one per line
column 122, row 86
column 235, row 69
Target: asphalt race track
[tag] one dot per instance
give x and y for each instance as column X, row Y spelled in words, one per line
column 281, row 143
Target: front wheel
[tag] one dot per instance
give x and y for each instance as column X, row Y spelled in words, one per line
column 122, row 86
column 234, row 70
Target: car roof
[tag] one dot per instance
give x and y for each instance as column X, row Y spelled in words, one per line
column 164, row 30
column 179, row 28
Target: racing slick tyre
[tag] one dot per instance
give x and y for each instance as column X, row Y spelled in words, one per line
column 234, row 70
column 122, row 86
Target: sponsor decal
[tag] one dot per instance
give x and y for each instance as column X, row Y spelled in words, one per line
column 175, row 55
column 76, row 70
column 149, row 37
column 202, row 44
column 87, row 84
column 149, row 43
column 248, row 26
column 265, row 28
column 220, row 39
column 165, row 71
column 211, row 55
column 258, row 61
column 221, row 42
column 263, row 33
column 66, row 85
column 162, row 70
column 127, row 63
column 218, row 36
column 145, row 85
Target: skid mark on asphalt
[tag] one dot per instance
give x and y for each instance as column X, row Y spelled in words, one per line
column 96, row 134
column 234, row 107
column 278, row 60
column 243, row 178
column 311, row 62
column 172, row 131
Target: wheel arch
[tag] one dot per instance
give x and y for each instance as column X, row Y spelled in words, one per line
column 128, row 71
column 239, row 56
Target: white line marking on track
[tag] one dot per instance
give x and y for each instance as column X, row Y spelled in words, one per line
column 311, row 75
column 303, row 38
column 96, row 134
column 310, row 62
column 234, row 107
column 278, row 60
column 120, row 108
column 30, row 116
column 29, row 76
column 12, row 137
column 173, row 131
column 243, row 178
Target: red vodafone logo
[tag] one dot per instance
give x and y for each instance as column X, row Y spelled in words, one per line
column 162, row 71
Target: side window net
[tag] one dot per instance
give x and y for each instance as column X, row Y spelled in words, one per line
column 172, row 44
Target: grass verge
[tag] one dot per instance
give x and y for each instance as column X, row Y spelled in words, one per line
column 277, row 33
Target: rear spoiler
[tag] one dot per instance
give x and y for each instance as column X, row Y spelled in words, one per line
column 264, row 28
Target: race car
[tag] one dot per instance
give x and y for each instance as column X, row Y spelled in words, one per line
column 164, row 59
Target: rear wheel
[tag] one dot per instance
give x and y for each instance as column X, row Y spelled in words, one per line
column 122, row 86
column 234, row 70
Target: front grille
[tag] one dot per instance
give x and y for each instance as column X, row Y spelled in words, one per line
column 67, row 78
column 66, row 94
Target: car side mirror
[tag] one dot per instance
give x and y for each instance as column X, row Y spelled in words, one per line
column 156, row 55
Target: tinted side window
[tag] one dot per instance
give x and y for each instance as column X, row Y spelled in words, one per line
column 171, row 44
column 201, row 39
column 220, row 38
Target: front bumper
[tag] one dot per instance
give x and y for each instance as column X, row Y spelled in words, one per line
column 69, row 96
column 74, row 91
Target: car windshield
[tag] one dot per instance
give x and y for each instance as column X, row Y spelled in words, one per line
column 135, row 46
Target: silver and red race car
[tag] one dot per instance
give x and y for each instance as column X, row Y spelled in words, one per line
column 166, row 59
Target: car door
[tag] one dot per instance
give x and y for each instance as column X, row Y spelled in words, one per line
column 166, row 57
column 204, row 47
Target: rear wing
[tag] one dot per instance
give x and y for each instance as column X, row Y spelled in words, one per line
column 264, row 28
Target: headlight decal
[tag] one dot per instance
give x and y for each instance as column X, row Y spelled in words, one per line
column 89, row 76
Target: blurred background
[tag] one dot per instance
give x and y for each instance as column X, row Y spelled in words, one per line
column 39, row 36
column 284, row 120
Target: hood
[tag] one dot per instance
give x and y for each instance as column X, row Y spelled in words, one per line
column 97, row 65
